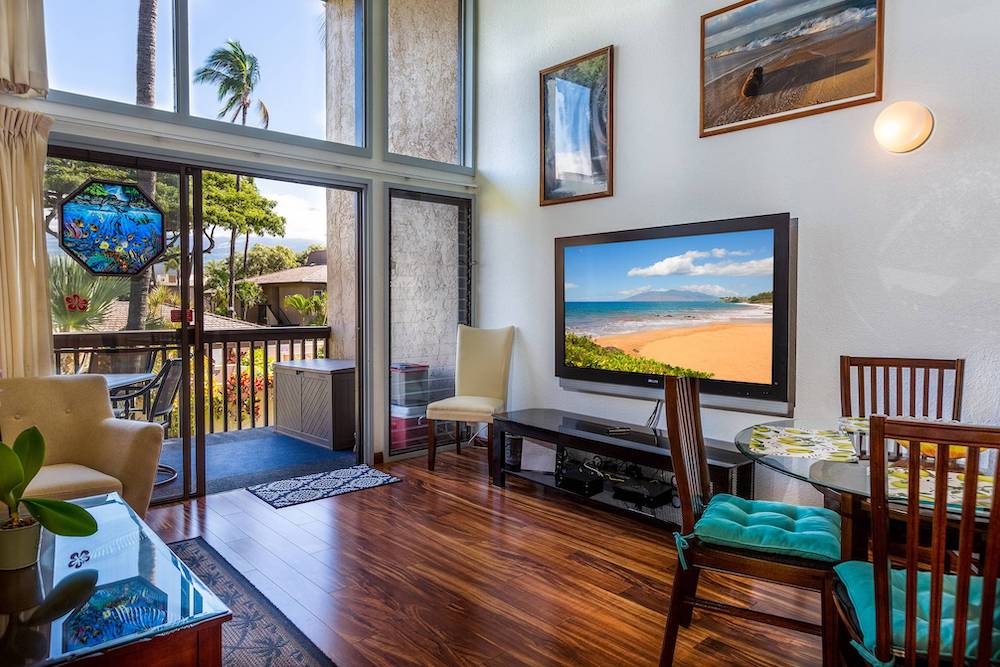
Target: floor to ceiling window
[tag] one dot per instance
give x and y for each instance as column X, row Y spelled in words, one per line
column 295, row 67
column 280, row 89
column 430, row 294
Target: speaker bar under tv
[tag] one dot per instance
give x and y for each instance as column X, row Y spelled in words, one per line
column 710, row 299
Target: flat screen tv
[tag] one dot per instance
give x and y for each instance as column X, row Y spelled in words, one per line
column 711, row 299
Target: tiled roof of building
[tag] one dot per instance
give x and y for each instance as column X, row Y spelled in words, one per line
column 117, row 319
column 315, row 273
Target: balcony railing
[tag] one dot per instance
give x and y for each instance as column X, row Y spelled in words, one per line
column 239, row 364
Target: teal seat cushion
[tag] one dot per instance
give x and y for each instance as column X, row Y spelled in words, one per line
column 771, row 527
column 859, row 583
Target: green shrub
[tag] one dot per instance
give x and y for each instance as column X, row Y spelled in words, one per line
column 583, row 352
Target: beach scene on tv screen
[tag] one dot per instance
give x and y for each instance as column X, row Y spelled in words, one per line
column 694, row 305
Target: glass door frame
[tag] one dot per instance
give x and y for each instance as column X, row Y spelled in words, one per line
column 190, row 337
column 467, row 204
column 187, row 218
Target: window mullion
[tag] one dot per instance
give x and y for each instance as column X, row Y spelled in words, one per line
column 182, row 84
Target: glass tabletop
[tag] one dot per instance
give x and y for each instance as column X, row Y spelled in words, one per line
column 833, row 454
column 90, row 594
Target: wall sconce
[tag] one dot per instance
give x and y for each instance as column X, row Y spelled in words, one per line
column 903, row 126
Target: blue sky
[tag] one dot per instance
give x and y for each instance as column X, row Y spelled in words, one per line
column 91, row 51
column 737, row 263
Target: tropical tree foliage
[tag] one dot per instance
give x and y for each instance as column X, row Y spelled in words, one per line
column 312, row 309
column 67, row 280
column 583, row 352
column 235, row 74
column 270, row 259
column 234, row 203
column 249, row 295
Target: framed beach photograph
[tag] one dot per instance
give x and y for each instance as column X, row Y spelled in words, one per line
column 765, row 61
column 577, row 129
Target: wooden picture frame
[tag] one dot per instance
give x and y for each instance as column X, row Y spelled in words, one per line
column 600, row 159
column 710, row 121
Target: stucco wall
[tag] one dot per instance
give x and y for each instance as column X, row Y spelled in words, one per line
column 423, row 299
column 341, row 270
column 898, row 254
column 423, row 78
column 340, row 71
column 341, row 206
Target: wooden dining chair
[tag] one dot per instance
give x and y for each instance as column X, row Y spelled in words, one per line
column 912, row 615
column 898, row 387
column 766, row 541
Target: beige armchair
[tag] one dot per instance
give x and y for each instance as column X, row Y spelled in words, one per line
column 482, row 370
column 87, row 450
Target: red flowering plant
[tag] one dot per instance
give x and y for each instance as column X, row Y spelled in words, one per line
column 242, row 392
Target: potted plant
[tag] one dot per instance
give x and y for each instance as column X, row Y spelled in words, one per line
column 20, row 533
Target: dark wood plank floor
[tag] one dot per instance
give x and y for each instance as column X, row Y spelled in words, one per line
column 444, row 569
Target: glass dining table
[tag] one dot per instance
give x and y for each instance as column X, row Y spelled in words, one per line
column 832, row 456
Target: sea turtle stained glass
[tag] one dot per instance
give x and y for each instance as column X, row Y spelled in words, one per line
column 111, row 228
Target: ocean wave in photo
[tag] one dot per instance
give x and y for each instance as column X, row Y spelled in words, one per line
column 852, row 16
column 595, row 319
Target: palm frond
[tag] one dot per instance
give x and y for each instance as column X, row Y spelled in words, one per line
column 265, row 116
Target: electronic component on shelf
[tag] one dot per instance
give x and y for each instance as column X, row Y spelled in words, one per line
column 645, row 492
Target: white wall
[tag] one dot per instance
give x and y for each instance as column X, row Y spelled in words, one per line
column 898, row 254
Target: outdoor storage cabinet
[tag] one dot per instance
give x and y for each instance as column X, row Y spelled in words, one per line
column 314, row 401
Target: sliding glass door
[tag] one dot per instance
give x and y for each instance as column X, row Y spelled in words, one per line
column 249, row 278
column 120, row 269
column 430, row 294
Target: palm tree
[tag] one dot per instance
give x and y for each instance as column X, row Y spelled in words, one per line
column 67, row 280
column 235, row 74
column 145, row 95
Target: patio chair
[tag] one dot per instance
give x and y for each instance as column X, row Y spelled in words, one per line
column 121, row 361
column 157, row 406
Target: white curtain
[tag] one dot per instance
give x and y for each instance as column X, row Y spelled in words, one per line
column 23, row 68
column 25, row 315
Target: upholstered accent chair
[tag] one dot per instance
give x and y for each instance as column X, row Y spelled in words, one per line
column 482, row 370
column 87, row 450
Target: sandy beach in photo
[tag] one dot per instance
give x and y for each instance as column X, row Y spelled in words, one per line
column 736, row 351
column 801, row 72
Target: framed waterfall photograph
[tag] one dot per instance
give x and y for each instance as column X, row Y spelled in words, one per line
column 764, row 61
column 576, row 144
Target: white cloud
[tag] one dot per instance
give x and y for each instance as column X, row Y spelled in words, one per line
column 711, row 290
column 669, row 266
column 304, row 218
column 571, row 286
column 636, row 290
column 684, row 265
column 722, row 252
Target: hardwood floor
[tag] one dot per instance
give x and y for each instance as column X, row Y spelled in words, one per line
column 443, row 569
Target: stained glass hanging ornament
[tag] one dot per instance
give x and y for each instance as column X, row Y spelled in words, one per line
column 111, row 228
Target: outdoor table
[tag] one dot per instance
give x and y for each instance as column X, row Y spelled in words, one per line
column 117, row 381
column 832, row 455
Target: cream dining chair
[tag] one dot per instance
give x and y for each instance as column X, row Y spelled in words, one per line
column 482, row 369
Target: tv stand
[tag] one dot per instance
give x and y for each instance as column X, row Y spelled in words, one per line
column 730, row 471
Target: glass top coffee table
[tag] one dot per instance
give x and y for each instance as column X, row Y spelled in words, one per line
column 120, row 592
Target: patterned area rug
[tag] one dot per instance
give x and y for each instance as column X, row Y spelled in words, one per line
column 258, row 634
column 297, row 490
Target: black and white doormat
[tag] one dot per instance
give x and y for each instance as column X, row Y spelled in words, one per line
column 297, row 490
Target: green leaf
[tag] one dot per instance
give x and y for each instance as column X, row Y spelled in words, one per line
column 11, row 473
column 30, row 448
column 60, row 517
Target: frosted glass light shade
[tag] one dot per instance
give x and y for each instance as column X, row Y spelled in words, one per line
column 903, row 126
